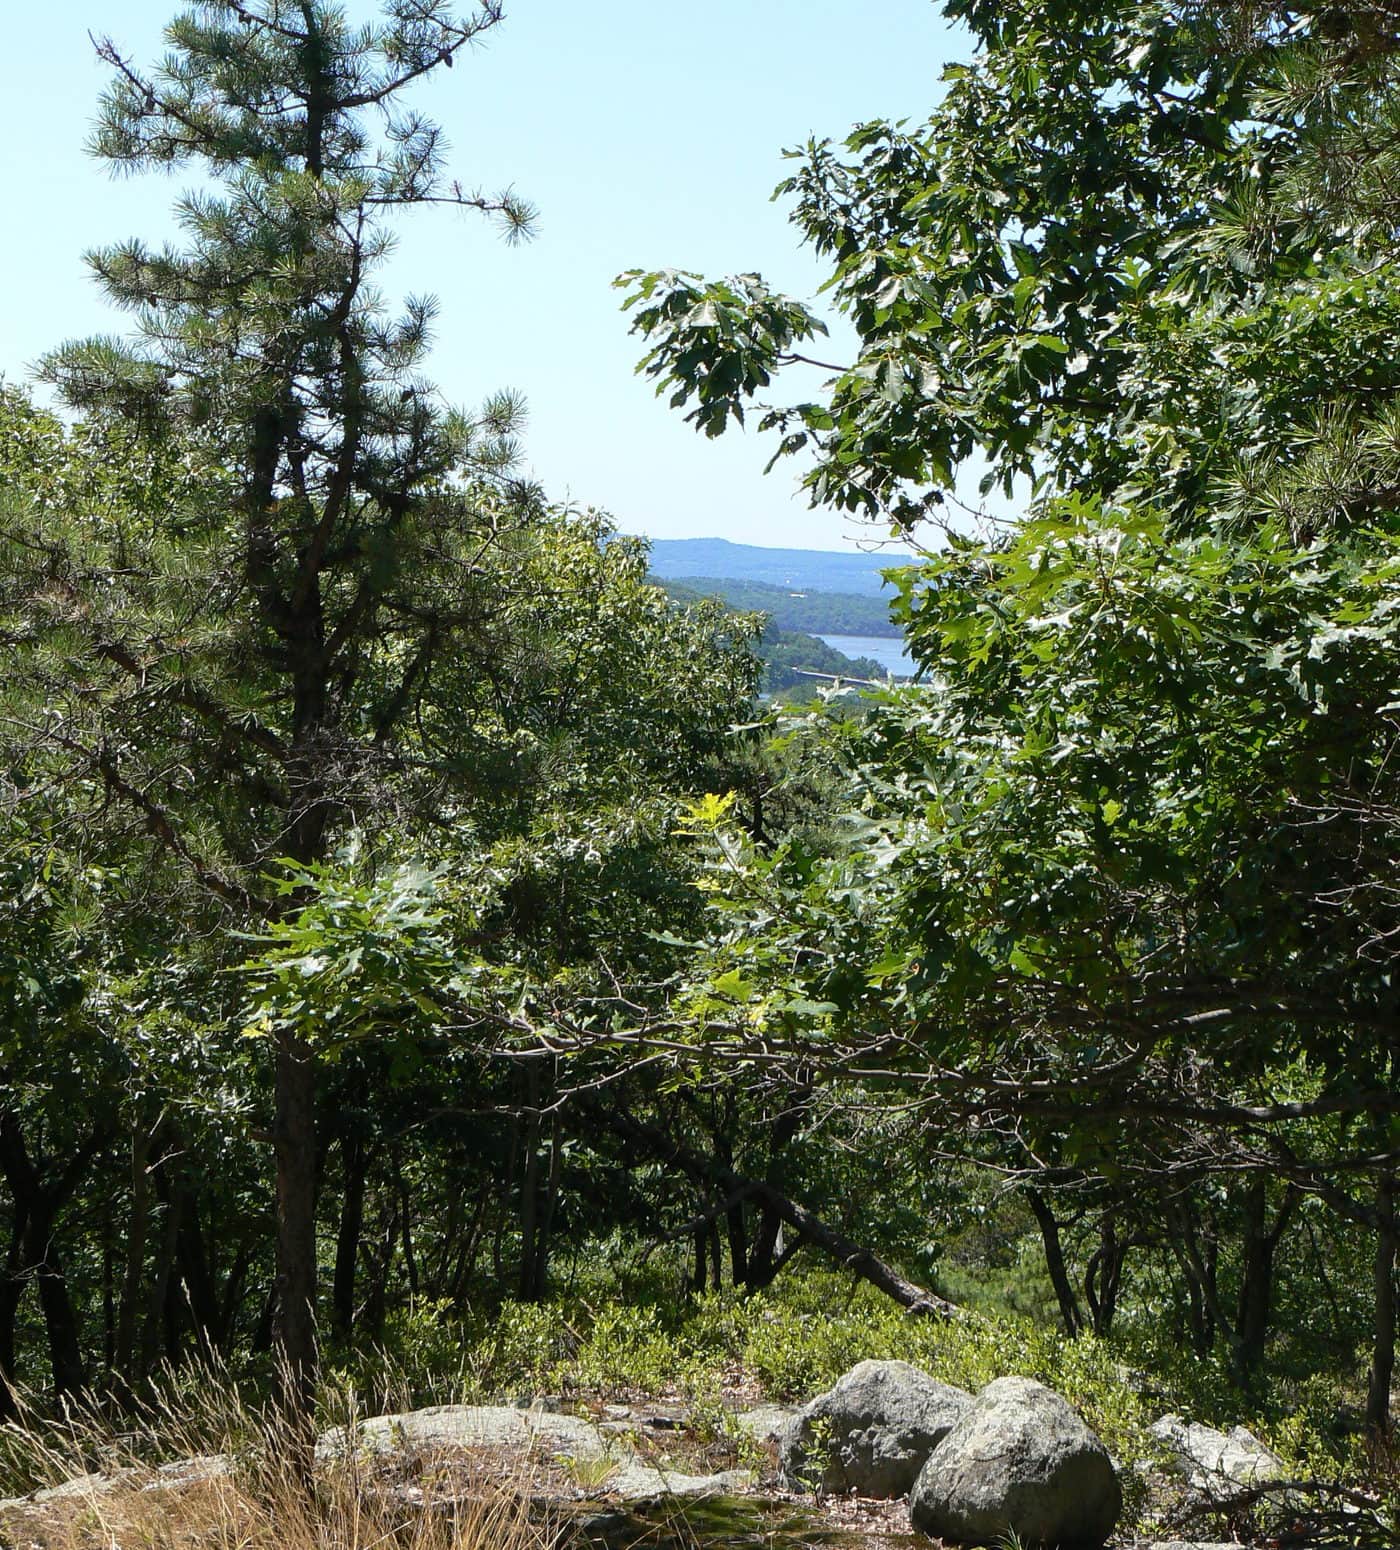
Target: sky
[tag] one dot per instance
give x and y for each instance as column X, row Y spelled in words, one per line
column 649, row 134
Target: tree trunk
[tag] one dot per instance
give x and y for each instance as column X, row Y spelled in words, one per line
column 40, row 1202
column 135, row 1269
column 853, row 1256
column 1104, row 1275
column 377, row 1301
column 294, row 1325
column 158, row 1303
column 1071, row 1314
column 201, row 1296
column 12, row 1286
column 1383, row 1339
column 545, row 1228
column 466, row 1259
column 60, row 1321
column 765, row 1256
column 347, row 1240
column 700, row 1276
column 410, row 1258
column 233, row 1298
column 1260, row 1243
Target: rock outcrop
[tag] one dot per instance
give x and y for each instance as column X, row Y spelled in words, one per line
column 604, row 1465
column 1213, row 1463
column 1020, row 1462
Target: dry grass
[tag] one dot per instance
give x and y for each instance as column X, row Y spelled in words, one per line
column 230, row 1482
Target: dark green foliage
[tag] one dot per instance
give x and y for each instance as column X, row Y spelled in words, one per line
column 1130, row 849
column 372, row 823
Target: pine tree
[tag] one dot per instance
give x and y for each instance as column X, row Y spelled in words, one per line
column 247, row 657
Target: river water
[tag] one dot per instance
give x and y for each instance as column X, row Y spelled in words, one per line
column 887, row 650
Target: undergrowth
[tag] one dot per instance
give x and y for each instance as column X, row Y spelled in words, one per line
column 715, row 1353
column 795, row 1339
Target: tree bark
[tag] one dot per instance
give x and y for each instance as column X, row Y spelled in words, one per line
column 1103, row 1275
column 1071, row 1315
column 134, row 1271
column 41, row 1202
column 1378, row 1416
column 158, row 1303
column 1259, row 1246
column 201, row 1296
column 545, row 1228
column 347, row 1240
column 294, row 1324
column 60, row 1320
column 529, row 1188
column 12, row 1286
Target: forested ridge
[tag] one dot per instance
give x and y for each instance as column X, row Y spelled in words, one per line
column 431, row 969
column 860, row 572
column 808, row 612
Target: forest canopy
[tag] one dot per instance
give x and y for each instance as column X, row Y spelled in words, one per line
column 405, row 897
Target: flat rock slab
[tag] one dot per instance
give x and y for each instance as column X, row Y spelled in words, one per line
column 447, row 1427
column 610, row 1467
column 199, row 1469
column 1191, row 1544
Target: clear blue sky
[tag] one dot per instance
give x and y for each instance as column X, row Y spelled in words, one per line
column 648, row 132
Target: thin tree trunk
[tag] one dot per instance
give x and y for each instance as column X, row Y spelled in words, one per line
column 60, row 1320
column 410, row 1258
column 1071, row 1314
column 201, row 1298
column 158, row 1302
column 545, row 1228
column 700, row 1276
column 1103, row 1275
column 109, row 1305
column 1383, row 1337
column 471, row 1247
column 1256, row 1298
column 41, row 1203
column 233, row 1298
column 347, row 1241
column 294, row 1325
column 134, row 1273
column 854, row 1256
column 529, row 1187
column 12, row 1287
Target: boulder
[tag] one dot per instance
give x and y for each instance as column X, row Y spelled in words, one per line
column 870, row 1433
column 1020, row 1462
column 1216, row 1464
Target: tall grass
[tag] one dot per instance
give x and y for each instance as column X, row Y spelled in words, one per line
column 199, row 1467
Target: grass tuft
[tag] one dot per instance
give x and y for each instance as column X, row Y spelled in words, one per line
column 200, row 1468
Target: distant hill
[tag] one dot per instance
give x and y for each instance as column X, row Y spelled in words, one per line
column 680, row 559
column 812, row 613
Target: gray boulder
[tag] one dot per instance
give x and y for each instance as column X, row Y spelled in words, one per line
column 1021, row 1462
column 1215, row 1464
column 870, row 1433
